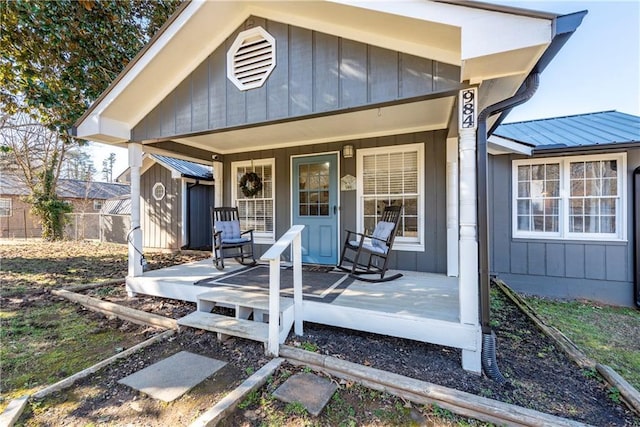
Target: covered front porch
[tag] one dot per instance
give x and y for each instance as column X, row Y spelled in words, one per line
column 419, row 306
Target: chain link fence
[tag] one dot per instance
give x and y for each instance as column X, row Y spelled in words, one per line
column 80, row 226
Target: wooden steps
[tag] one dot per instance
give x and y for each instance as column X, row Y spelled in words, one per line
column 227, row 325
column 251, row 314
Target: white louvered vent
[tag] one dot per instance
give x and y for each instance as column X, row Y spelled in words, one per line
column 251, row 58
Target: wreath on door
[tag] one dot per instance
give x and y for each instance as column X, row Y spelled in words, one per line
column 250, row 184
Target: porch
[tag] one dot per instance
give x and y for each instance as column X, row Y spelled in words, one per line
column 419, row 306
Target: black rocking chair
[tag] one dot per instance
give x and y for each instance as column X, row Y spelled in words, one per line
column 369, row 253
column 228, row 240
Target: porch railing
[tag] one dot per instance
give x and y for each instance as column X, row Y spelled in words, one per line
column 290, row 238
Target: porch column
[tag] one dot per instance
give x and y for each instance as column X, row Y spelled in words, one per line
column 218, row 183
column 452, row 207
column 468, row 246
column 135, row 240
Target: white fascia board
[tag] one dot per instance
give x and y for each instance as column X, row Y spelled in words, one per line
column 104, row 130
column 499, row 145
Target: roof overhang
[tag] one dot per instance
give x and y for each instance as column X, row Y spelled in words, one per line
column 488, row 44
column 498, row 145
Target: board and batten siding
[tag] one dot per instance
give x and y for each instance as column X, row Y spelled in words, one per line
column 315, row 73
column 595, row 270
column 433, row 259
column 161, row 220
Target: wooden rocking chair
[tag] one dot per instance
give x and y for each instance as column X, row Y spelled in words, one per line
column 369, row 254
column 228, row 240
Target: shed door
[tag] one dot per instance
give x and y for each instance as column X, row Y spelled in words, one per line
column 315, row 205
column 199, row 216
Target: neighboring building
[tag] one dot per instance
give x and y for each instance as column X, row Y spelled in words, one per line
column 563, row 222
column 87, row 198
column 341, row 108
column 176, row 199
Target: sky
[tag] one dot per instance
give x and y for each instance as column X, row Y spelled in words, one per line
column 598, row 69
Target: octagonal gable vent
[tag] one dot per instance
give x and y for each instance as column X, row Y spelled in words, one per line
column 251, row 58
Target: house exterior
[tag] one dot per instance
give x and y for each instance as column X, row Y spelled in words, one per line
column 86, row 197
column 176, row 198
column 563, row 222
column 341, row 108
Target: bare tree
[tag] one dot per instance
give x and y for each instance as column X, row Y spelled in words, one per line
column 35, row 155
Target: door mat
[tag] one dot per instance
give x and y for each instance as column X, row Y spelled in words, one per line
column 172, row 377
column 318, row 284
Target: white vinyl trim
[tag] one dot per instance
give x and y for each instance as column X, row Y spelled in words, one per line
column 564, row 232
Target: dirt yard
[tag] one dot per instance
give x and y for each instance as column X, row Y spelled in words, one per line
column 539, row 375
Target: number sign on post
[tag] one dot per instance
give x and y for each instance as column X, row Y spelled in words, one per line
column 468, row 108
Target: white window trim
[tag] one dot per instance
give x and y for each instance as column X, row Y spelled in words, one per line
column 400, row 243
column 10, row 207
column 563, row 233
column 155, row 187
column 258, row 237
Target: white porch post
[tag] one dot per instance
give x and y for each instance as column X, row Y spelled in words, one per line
column 218, row 184
column 452, row 207
column 135, row 241
column 468, row 267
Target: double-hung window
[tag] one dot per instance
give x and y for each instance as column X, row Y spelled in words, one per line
column 392, row 175
column 256, row 212
column 5, row 207
column 577, row 197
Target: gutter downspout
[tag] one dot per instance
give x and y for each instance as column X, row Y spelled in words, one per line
column 636, row 233
column 488, row 338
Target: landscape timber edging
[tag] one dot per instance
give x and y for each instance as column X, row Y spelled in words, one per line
column 423, row 392
column 11, row 414
column 630, row 396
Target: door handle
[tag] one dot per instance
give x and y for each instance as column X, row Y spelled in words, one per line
column 335, row 209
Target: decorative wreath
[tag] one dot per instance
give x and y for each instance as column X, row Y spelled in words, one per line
column 250, row 184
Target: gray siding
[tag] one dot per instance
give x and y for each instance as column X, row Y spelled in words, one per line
column 433, row 259
column 315, row 73
column 601, row 271
column 161, row 220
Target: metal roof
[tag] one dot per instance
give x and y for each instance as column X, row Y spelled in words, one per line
column 118, row 206
column 186, row 168
column 11, row 184
column 581, row 130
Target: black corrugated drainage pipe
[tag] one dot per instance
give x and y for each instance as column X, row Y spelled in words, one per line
column 636, row 233
column 489, row 364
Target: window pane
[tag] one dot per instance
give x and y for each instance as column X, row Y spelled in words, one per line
column 552, row 188
column 553, row 171
column 524, row 207
column 577, row 187
column 523, row 173
column 538, row 223
column 537, row 206
column 410, row 206
column 576, row 224
column 551, row 223
column 610, row 169
column 608, row 224
column 576, row 207
column 523, row 223
column 592, row 170
column 537, row 189
column 608, row 206
column 537, row 172
column 577, row 170
column 609, row 187
column 523, row 189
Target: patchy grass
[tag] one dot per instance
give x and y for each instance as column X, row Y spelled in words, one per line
column 47, row 342
column 609, row 335
column 351, row 405
column 44, row 338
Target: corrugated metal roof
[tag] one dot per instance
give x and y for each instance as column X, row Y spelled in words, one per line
column 186, row 168
column 11, row 184
column 581, row 130
column 119, row 206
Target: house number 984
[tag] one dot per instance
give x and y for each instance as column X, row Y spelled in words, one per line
column 468, row 108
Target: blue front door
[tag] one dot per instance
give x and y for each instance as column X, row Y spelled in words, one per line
column 315, row 205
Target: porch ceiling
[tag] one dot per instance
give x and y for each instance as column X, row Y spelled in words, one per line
column 396, row 119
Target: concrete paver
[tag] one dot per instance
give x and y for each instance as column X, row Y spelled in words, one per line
column 310, row 390
column 172, row 377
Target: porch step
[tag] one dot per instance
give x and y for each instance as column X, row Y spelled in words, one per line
column 226, row 325
column 237, row 298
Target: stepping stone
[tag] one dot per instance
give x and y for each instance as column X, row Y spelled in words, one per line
column 174, row 376
column 310, row 390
